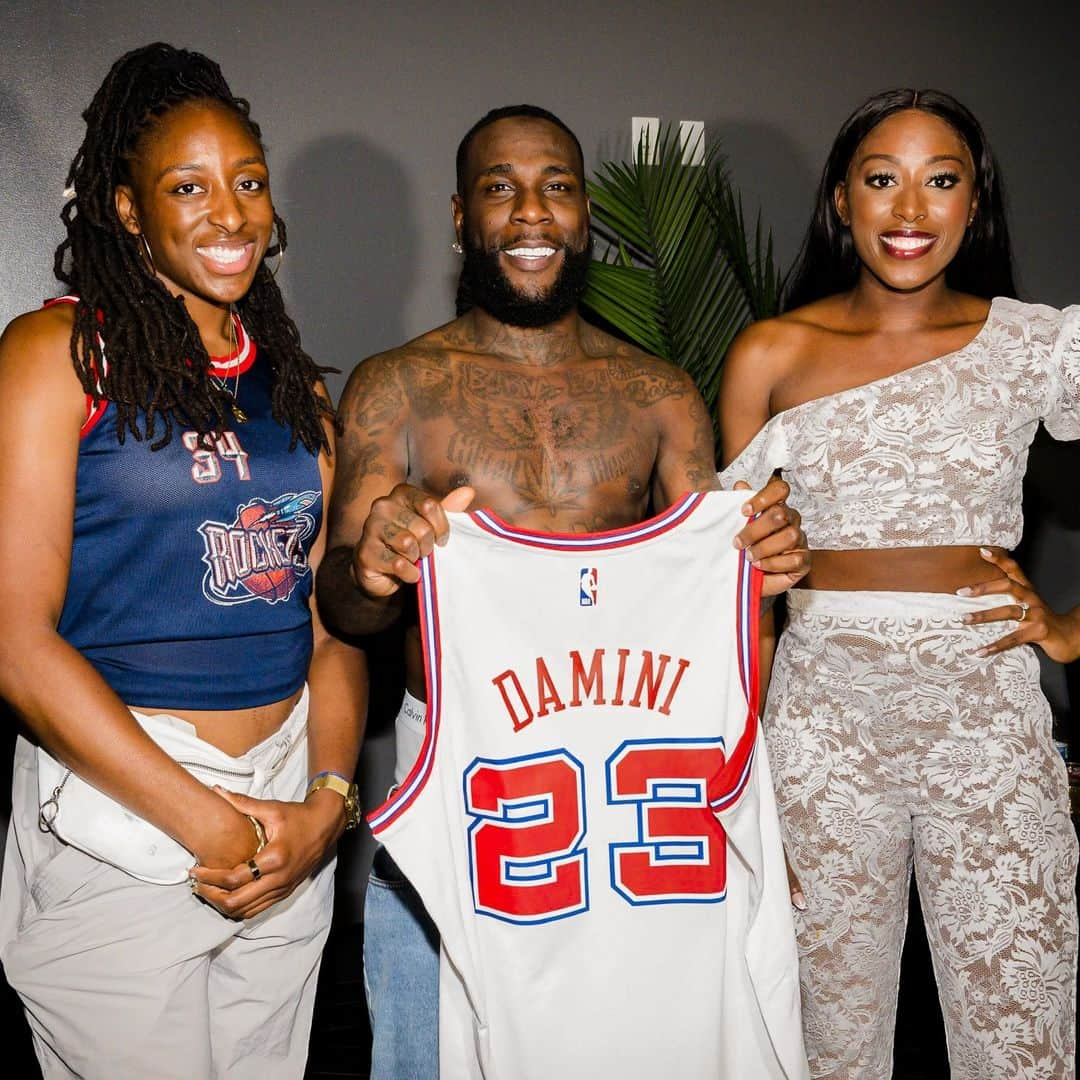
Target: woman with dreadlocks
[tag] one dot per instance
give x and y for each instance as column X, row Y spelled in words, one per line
column 167, row 881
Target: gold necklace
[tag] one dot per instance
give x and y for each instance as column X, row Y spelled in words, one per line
column 238, row 414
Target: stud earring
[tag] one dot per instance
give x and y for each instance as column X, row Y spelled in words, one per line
column 456, row 247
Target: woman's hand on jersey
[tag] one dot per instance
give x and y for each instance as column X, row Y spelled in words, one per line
column 400, row 529
column 773, row 537
column 1057, row 635
column 298, row 835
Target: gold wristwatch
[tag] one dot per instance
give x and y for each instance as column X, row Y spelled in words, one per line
column 346, row 789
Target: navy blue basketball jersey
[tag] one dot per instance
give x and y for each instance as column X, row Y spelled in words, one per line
column 189, row 581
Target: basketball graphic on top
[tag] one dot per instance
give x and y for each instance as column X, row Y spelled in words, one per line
column 260, row 555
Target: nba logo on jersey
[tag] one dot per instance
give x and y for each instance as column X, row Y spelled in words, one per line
column 587, row 587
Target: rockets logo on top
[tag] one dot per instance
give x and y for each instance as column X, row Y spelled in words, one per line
column 260, row 554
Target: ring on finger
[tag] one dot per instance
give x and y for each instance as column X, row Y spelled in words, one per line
column 1024, row 608
column 253, row 866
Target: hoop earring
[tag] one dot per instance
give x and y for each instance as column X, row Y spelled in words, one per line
column 149, row 253
column 275, row 247
column 270, row 253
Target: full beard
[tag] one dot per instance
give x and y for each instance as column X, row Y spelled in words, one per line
column 484, row 284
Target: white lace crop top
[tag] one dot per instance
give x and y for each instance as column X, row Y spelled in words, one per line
column 934, row 455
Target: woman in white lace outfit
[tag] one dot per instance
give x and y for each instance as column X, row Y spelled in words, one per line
column 899, row 401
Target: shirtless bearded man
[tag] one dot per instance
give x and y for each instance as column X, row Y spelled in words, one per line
column 551, row 423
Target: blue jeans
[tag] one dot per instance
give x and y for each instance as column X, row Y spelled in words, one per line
column 401, row 977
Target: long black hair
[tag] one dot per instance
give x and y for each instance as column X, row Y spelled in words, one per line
column 157, row 372
column 827, row 262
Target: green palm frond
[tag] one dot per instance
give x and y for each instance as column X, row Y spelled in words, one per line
column 676, row 278
column 758, row 274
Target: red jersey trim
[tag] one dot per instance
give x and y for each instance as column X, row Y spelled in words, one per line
column 234, row 365
column 598, row 541
column 238, row 361
column 401, row 799
column 95, row 410
column 737, row 770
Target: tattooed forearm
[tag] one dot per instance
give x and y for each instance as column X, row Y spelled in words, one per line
column 345, row 608
column 361, row 459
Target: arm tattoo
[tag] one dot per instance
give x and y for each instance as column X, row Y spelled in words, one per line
column 645, row 382
column 428, row 383
column 376, row 396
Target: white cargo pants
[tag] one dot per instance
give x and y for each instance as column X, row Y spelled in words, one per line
column 123, row 979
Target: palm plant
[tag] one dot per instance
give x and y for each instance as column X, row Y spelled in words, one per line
column 680, row 276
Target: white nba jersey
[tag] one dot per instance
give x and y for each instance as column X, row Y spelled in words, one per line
column 591, row 821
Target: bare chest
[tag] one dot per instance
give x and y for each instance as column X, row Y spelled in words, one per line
column 566, row 449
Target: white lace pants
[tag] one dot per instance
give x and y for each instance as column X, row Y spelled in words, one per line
column 891, row 742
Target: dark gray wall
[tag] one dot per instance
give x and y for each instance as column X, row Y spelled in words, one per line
column 363, row 103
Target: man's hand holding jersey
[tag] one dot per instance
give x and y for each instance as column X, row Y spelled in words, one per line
column 405, row 525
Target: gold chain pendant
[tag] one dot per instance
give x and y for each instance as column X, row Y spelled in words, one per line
column 238, row 414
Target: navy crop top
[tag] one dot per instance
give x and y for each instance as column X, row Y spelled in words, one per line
column 189, row 582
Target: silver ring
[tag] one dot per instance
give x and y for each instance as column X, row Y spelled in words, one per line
column 253, row 866
column 1023, row 610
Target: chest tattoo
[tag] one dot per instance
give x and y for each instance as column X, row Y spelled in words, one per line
column 550, row 438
